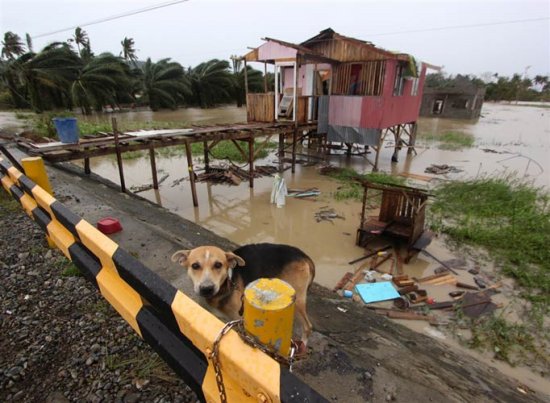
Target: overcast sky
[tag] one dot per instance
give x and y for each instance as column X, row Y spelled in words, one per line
column 198, row 30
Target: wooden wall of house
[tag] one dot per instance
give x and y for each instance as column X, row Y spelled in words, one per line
column 378, row 112
column 346, row 51
column 260, row 107
column 370, row 80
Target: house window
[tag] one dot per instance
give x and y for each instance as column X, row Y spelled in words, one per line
column 399, row 83
column 414, row 89
column 438, row 106
column 355, row 79
column 460, row 104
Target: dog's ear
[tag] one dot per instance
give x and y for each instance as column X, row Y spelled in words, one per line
column 234, row 260
column 180, row 256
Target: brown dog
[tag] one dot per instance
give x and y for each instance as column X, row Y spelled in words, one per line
column 221, row 277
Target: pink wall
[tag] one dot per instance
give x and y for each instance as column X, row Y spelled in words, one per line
column 272, row 51
column 378, row 112
column 403, row 108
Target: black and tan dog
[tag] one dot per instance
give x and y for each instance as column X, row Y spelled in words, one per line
column 221, row 277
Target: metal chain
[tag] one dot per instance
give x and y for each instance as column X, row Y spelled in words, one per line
column 250, row 340
column 216, row 361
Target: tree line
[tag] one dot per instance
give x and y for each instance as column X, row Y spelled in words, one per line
column 68, row 75
column 497, row 88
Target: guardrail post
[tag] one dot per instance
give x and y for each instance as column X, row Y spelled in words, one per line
column 36, row 171
column 269, row 313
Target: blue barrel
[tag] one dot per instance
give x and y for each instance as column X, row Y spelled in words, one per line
column 67, row 129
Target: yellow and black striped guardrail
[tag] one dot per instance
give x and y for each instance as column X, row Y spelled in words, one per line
column 181, row 331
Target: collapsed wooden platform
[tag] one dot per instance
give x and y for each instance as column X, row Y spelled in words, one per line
column 118, row 143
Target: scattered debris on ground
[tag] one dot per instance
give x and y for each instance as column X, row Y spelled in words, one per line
column 143, row 188
column 303, row 193
column 327, row 214
column 442, row 169
column 234, row 175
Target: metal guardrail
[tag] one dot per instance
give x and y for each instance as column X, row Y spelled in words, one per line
column 180, row 330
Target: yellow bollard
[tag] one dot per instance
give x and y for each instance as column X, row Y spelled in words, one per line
column 35, row 169
column 269, row 313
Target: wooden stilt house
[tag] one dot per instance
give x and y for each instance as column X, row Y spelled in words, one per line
column 356, row 92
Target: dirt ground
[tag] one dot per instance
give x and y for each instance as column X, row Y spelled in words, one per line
column 356, row 355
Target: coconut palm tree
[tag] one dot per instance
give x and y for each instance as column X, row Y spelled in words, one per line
column 128, row 50
column 12, row 46
column 164, row 84
column 46, row 74
column 28, row 39
column 211, row 83
column 98, row 81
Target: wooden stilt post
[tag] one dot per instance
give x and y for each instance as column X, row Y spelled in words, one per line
column 251, row 159
column 377, row 149
column 153, row 167
column 281, row 151
column 118, row 156
column 397, row 146
column 87, row 169
column 191, row 173
column 412, row 138
column 265, row 77
column 206, row 156
column 245, row 85
column 295, row 113
column 294, row 139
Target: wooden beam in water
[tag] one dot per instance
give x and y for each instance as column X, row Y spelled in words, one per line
column 87, row 169
column 153, row 167
column 118, row 156
column 191, row 173
column 251, row 160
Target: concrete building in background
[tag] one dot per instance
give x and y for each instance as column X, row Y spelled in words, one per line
column 460, row 102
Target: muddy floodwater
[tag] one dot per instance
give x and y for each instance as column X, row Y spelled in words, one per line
column 516, row 140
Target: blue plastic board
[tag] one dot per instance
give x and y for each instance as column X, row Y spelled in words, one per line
column 374, row 292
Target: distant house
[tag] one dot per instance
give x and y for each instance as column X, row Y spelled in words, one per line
column 356, row 92
column 459, row 102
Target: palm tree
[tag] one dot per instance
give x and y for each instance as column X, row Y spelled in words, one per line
column 46, row 74
column 98, row 81
column 28, row 39
column 164, row 84
column 211, row 83
column 12, row 46
column 128, row 50
column 81, row 38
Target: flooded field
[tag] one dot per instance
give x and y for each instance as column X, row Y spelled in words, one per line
column 518, row 138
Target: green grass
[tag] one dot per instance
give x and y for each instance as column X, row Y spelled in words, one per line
column 23, row 115
column 507, row 217
column 351, row 189
column 450, row 140
column 223, row 150
column 510, row 342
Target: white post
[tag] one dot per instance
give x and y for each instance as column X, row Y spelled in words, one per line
column 276, row 76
